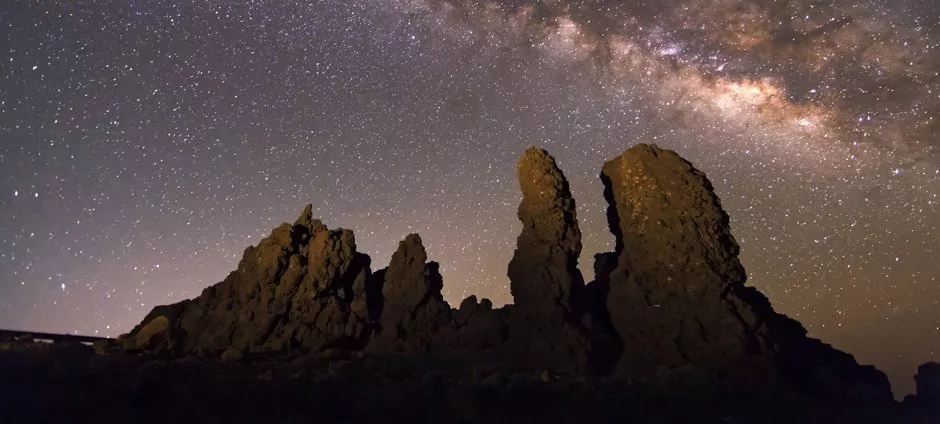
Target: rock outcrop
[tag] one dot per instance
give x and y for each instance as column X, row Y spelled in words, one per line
column 672, row 295
column 677, row 299
column 927, row 381
column 302, row 287
column 668, row 307
column 543, row 273
column 478, row 326
column 413, row 315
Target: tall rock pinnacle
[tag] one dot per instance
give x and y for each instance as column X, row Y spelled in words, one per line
column 676, row 262
column 543, row 272
column 676, row 294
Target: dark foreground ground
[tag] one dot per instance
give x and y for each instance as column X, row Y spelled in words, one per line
column 69, row 383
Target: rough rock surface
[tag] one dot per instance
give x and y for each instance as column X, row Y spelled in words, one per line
column 676, row 296
column 302, row 287
column 414, row 316
column 543, row 273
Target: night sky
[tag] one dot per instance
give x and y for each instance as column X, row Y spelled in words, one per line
column 144, row 144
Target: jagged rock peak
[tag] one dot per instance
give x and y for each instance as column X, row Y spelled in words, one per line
column 306, row 216
column 543, row 271
column 303, row 286
column 413, row 312
column 408, row 271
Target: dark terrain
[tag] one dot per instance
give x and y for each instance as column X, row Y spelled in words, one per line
column 305, row 331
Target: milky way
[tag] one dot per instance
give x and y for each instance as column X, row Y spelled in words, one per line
column 145, row 144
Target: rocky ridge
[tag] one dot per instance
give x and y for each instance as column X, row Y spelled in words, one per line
column 669, row 307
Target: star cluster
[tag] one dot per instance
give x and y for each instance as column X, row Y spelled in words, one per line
column 144, row 144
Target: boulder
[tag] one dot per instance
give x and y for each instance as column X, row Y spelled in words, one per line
column 154, row 337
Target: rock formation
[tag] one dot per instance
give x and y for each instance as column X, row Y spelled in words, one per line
column 928, row 384
column 302, row 287
column 543, row 273
column 414, row 316
column 672, row 293
column 668, row 307
column 478, row 325
column 676, row 295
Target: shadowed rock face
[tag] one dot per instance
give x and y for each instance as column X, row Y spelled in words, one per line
column 414, row 315
column 676, row 295
column 928, row 383
column 543, row 273
column 478, row 325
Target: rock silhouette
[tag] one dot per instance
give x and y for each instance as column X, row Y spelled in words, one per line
column 928, row 384
column 668, row 308
column 479, row 326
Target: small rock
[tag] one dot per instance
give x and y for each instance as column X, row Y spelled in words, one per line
column 155, row 336
column 231, row 355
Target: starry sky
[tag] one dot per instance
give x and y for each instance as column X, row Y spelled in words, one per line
column 144, row 144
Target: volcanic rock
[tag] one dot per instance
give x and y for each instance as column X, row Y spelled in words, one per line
column 543, row 273
column 302, row 287
column 676, row 295
column 414, row 316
